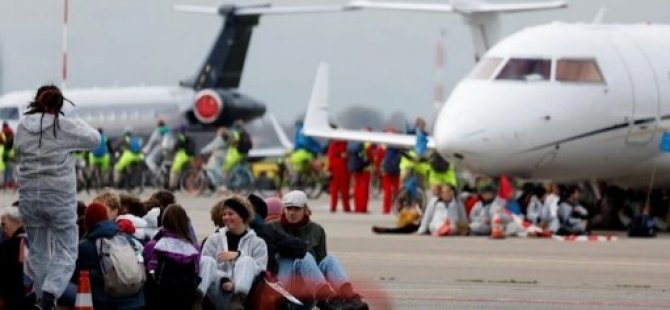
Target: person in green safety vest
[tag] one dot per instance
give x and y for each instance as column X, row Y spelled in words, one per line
column 130, row 147
column 184, row 151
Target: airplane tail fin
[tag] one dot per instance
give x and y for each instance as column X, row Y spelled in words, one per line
column 480, row 16
column 316, row 117
column 225, row 62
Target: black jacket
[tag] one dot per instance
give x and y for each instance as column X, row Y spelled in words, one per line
column 279, row 242
column 11, row 269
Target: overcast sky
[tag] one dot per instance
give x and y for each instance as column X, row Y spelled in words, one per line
column 378, row 58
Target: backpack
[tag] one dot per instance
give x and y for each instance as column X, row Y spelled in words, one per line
column 355, row 159
column 135, row 144
column 244, row 144
column 642, row 226
column 437, row 163
column 121, row 265
column 101, row 149
column 391, row 161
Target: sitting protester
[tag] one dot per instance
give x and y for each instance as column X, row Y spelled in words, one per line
column 571, row 214
column 444, row 217
column 133, row 210
column 15, row 286
column 106, row 253
column 241, row 255
column 483, row 211
column 172, row 262
column 296, row 221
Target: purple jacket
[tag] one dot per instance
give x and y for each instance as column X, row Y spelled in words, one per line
column 167, row 245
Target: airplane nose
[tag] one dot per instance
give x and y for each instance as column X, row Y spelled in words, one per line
column 454, row 137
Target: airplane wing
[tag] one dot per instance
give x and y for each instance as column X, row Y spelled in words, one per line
column 279, row 151
column 316, row 122
column 260, row 9
column 464, row 7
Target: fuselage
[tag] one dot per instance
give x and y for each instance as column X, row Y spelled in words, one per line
column 113, row 109
column 565, row 102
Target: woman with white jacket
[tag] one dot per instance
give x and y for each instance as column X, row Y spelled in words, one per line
column 446, row 207
column 240, row 255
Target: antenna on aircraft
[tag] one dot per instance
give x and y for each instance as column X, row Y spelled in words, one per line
column 600, row 16
column 66, row 9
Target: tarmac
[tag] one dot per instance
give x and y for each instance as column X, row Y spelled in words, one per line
column 424, row 272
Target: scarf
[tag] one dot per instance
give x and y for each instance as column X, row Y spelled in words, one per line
column 286, row 224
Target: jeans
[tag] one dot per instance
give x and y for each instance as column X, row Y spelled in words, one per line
column 294, row 273
column 49, row 218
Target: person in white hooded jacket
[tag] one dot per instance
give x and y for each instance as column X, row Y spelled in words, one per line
column 446, row 207
column 240, row 254
column 45, row 144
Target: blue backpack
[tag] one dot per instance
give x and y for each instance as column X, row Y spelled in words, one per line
column 135, row 144
column 391, row 161
column 355, row 158
column 101, row 149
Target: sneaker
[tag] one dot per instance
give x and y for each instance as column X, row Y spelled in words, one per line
column 354, row 303
column 46, row 302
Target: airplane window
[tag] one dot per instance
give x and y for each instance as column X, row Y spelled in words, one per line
column 9, row 113
column 485, row 68
column 526, row 70
column 578, row 70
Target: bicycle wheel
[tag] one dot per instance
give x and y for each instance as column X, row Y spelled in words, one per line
column 135, row 178
column 241, row 180
column 194, row 182
column 310, row 183
column 95, row 179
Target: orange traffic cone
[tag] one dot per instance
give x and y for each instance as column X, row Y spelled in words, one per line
column 497, row 227
column 84, row 299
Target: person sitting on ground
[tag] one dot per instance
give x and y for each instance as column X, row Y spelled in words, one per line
column 152, row 208
column 275, row 209
column 537, row 211
column 154, row 216
column 241, row 255
column 296, row 221
column 16, row 286
column 172, row 262
column 111, row 200
column 100, row 226
column 571, row 214
column 133, row 210
column 483, row 211
column 446, row 216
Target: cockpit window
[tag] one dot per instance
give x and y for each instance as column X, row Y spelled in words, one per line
column 578, row 70
column 485, row 68
column 523, row 69
column 9, row 113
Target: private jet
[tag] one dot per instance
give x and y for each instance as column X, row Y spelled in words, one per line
column 568, row 102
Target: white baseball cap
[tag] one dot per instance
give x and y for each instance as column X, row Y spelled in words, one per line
column 295, row 199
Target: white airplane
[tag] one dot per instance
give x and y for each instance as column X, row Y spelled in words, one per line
column 565, row 102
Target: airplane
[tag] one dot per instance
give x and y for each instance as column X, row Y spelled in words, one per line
column 208, row 101
column 567, row 102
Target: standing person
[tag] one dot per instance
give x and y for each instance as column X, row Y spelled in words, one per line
column 359, row 166
column 153, row 150
column 45, row 143
column 390, row 176
column 340, row 178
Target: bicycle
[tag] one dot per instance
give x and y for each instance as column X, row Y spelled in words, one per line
column 134, row 177
column 309, row 179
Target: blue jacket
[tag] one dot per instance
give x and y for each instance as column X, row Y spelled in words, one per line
column 306, row 143
column 88, row 260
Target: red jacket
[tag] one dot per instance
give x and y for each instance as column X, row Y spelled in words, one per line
column 337, row 155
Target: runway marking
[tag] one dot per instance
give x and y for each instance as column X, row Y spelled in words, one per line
column 510, row 260
column 617, row 304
